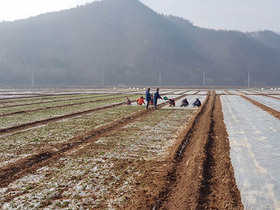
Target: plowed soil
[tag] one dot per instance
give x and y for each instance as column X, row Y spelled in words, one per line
column 199, row 174
column 196, row 174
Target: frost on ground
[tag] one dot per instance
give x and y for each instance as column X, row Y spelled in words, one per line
column 27, row 142
column 28, row 117
column 48, row 103
column 103, row 174
column 254, row 139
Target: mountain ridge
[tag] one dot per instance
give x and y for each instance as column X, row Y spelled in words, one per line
column 130, row 44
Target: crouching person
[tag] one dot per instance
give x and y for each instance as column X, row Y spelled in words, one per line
column 140, row 101
column 197, row 103
column 185, row 102
column 171, row 102
column 127, row 101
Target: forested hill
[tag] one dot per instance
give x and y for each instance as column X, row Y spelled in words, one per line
column 130, row 44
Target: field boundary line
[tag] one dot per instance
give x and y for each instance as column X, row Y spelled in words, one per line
column 271, row 111
column 271, row 96
column 178, row 157
column 52, row 101
column 54, row 107
column 17, row 99
column 52, row 119
column 27, row 165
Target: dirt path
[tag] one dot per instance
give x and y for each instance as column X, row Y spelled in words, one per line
column 199, row 174
column 263, row 107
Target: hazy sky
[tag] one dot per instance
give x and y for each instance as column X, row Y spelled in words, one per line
column 243, row 15
column 19, row 9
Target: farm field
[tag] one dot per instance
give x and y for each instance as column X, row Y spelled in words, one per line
column 85, row 149
column 254, row 139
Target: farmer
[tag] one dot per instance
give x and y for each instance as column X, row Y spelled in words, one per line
column 127, row 101
column 156, row 96
column 140, row 101
column 197, row 103
column 148, row 97
column 184, row 102
column 171, row 102
column 152, row 100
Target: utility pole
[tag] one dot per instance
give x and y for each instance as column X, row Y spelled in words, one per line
column 248, row 80
column 33, row 78
column 160, row 77
column 102, row 78
column 203, row 80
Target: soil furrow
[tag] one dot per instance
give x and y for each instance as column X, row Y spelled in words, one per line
column 263, row 107
column 201, row 175
column 208, row 165
column 29, row 164
column 272, row 97
column 52, row 119
column 40, row 122
column 54, row 107
column 24, row 166
column 173, row 177
column 45, row 102
column 18, row 99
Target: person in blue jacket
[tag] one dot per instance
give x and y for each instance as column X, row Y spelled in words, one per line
column 156, row 96
column 148, row 98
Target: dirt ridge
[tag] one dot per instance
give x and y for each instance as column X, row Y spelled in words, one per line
column 202, row 177
column 54, row 107
column 51, row 101
column 52, row 119
column 20, row 168
column 263, row 107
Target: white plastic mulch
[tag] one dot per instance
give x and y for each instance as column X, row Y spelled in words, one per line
column 254, row 137
column 267, row 101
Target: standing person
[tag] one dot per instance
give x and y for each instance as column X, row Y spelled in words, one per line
column 148, row 97
column 156, row 96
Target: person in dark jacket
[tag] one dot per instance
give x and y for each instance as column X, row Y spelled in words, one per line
column 185, row 102
column 171, row 102
column 197, row 103
column 127, row 101
column 152, row 100
column 148, row 98
column 156, row 97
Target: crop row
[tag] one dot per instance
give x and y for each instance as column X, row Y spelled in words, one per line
column 23, row 143
column 49, row 99
column 18, row 119
column 36, row 98
column 102, row 174
column 50, row 104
